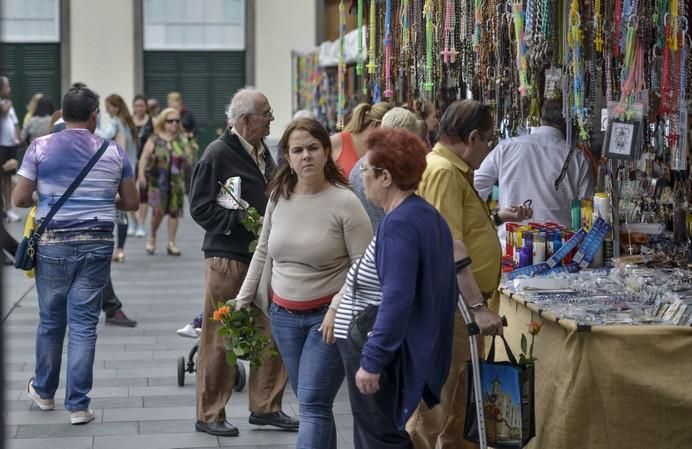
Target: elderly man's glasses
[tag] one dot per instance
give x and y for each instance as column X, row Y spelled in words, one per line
column 267, row 114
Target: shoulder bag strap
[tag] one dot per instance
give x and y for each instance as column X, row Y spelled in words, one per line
column 70, row 190
column 355, row 285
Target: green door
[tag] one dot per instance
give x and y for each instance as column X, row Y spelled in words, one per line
column 31, row 68
column 206, row 80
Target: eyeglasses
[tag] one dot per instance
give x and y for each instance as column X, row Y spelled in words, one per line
column 363, row 169
column 172, row 120
column 267, row 114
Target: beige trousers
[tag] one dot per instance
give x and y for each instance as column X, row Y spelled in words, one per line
column 215, row 378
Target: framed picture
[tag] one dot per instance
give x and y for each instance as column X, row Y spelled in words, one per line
column 622, row 139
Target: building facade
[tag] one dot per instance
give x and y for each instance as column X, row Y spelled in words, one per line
column 204, row 49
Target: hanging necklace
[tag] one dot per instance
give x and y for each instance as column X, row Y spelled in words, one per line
column 449, row 54
column 428, row 15
column 372, row 53
column 341, row 102
column 359, row 53
column 388, row 93
column 517, row 12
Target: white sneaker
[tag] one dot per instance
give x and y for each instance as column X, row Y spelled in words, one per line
column 131, row 230
column 140, row 232
column 82, row 416
column 43, row 404
column 12, row 216
column 188, row 331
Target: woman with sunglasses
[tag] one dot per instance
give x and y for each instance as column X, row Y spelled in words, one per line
column 164, row 158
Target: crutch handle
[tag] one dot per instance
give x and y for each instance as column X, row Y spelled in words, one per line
column 473, row 329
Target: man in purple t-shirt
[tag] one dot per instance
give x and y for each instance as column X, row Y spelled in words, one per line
column 74, row 253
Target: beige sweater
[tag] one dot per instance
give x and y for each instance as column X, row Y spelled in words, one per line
column 312, row 241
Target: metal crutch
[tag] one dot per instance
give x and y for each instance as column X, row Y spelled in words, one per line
column 475, row 364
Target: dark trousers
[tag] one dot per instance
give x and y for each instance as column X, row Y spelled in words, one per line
column 373, row 415
column 8, row 242
column 111, row 303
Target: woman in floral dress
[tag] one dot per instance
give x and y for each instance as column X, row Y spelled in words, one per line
column 162, row 172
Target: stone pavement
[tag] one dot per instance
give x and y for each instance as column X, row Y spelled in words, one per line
column 136, row 396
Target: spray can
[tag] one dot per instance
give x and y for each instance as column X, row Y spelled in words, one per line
column 586, row 215
column 601, row 208
column 576, row 213
column 539, row 248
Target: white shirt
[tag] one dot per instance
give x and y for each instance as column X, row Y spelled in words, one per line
column 8, row 123
column 527, row 167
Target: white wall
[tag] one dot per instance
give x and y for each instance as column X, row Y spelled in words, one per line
column 102, row 47
column 281, row 26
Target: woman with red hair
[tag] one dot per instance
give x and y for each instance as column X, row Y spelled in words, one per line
column 408, row 272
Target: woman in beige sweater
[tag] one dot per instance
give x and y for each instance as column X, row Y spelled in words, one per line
column 314, row 228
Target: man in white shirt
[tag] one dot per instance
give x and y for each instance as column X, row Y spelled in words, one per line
column 9, row 139
column 526, row 167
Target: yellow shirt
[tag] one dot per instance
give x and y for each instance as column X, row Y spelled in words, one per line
column 447, row 184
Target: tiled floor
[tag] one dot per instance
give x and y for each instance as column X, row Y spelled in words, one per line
column 137, row 399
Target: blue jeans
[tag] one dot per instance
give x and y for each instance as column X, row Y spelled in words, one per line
column 315, row 372
column 70, row 279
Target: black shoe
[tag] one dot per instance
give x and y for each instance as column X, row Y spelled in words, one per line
column 277, row 419
column 118, row 318
column 219, row 429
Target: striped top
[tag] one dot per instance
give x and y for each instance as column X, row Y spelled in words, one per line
column 368, row 291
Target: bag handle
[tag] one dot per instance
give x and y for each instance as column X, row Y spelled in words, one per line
column 508, row 350
column 70, row 190
column 355, row 286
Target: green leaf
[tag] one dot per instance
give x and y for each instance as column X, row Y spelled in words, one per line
column 253, row 246
column 231, row 359
column 524, row 344
column 239, row 351
column 223, row 331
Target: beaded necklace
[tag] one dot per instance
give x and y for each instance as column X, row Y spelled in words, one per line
column 341, row 102
column 518, row 15
column 449, row 54
column 372, row 53
column 428, row 14
column 359, row 54
column 405, row 22
column 388, row 93
column 575, row 42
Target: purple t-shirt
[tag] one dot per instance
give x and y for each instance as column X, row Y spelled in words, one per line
column 55, row 160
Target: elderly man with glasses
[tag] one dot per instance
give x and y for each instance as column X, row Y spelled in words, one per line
column 238, row 159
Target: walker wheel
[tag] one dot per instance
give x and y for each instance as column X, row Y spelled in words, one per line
column 181, row 371
column 240, row 376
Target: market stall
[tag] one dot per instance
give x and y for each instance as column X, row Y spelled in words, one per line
column 614, row 354
column 605, row 386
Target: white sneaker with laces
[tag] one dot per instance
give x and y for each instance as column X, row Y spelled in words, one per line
column 12, row 216
column 82, row 416
column 140, row 232
column 43, row 404
column 188, row 331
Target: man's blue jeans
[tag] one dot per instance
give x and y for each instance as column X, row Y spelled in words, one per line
column 315, row 372
column 70, row 278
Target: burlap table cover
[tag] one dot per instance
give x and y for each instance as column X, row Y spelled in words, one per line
column 606, row 387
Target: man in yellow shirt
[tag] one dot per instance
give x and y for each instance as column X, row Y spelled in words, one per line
column 466, row 133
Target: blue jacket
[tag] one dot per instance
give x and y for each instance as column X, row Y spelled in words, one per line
column 411, row 343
